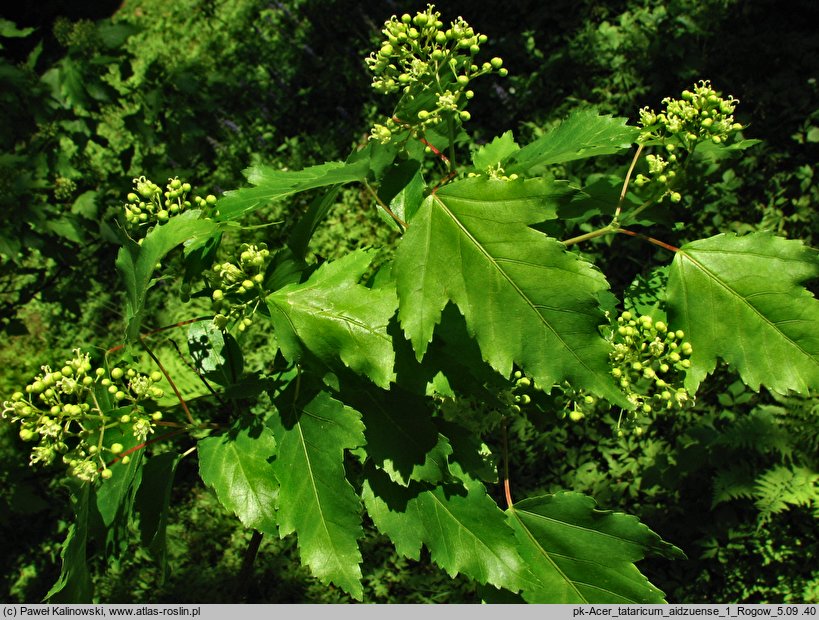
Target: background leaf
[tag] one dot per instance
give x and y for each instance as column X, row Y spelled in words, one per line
column 153, row 501
column 74, row 584
column 138, row 262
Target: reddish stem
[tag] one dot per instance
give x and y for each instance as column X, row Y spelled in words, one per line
column 442, row 157
column 173, row 385
column 506, row 488
column 145, row 444
column 657, row 242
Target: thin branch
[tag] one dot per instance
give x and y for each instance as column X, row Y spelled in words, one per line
column 145, row 444
column 625, row 183
column 244, row 577
column 590, row 235
column 173, row 385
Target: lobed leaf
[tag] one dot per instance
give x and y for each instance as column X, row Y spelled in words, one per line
column 740, row 299
column 582, row 555
column 333, row 317
column 463, row 529
column 491, row 154
column 237, row 466
column 524, row 297
column 584, row 134
column 270, row 184
column 315, row 499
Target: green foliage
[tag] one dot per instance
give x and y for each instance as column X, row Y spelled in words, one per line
column 238, row 468
column 333, row 317
column 597, row 565
column 336, row 396
column 752, row 282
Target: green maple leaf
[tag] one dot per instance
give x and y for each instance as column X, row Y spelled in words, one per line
column 583, row 555
column 463, row 529
column 270, row 184
column 585, row 133
column 741, row 299
column 525, row 298
column 333, row 317
column 315, row 499
column 237, row 467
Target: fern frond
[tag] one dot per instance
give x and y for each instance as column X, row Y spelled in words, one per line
column 760, row 432
column 781, row 487
column 734, row 482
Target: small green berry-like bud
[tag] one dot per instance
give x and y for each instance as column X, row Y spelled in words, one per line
column 117, row 373
column 26, row 434
column 465, row 116
column 156, row 376
column 106, row 474
column 496, row 62
column 116, row 448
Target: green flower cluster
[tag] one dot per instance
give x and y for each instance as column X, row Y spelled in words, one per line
column 148, row 204
column 239, row 289
column 700, row 115
column 648, row 362
column 419, row 55
column 60, row 410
